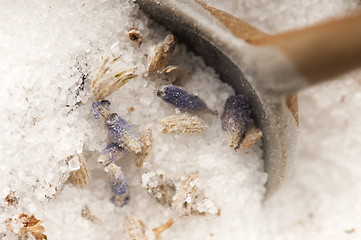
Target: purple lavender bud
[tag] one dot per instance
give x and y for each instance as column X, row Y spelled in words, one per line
column 123, row 132
column 117, row 180
column 111, row 153
column 182, row 99
column 235, row 118
column 101, row 108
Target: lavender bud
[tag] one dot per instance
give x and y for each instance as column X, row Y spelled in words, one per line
column 123, row 132
column 235, row 118
column 182, row 99
column 117, row 180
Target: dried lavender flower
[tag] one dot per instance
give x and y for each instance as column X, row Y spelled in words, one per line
column 182, row 123
column 183, row 99
column 159, row 187
column 117, row 181
column 123, row 132
column 135, row 229
column 118, row 185
column 235, row 118
column 101, row 109
column 135, row 35
column 105, row 82
column 111, row 153
column 147, row 143
column 161, row 55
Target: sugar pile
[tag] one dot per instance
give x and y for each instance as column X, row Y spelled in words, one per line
column 50, row 51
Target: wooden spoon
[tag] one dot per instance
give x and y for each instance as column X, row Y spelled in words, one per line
column 267, row 69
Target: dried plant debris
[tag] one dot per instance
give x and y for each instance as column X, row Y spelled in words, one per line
column 118, row 184
column 80, row 175
column 184, row 199
column 169, row 69
column 235, row 119
column 11, row 199
column 159, row 230
column 185, row 192
column 202, row 205
column 159, row 187
column 105, row 81
column 24, row 225
column 147, row 143
column 135, row 35
column 182, row 123
column 87, row 214
column 250, row 138
column 124, row 133
column 135, row 229
column 101, row 109
column 184, row 100
column 112, row 153
column 161, row 55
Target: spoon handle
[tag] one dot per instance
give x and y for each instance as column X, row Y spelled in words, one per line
column 318, row 52
column 322, row 51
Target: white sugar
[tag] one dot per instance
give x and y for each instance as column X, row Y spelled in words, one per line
column 51, row 51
